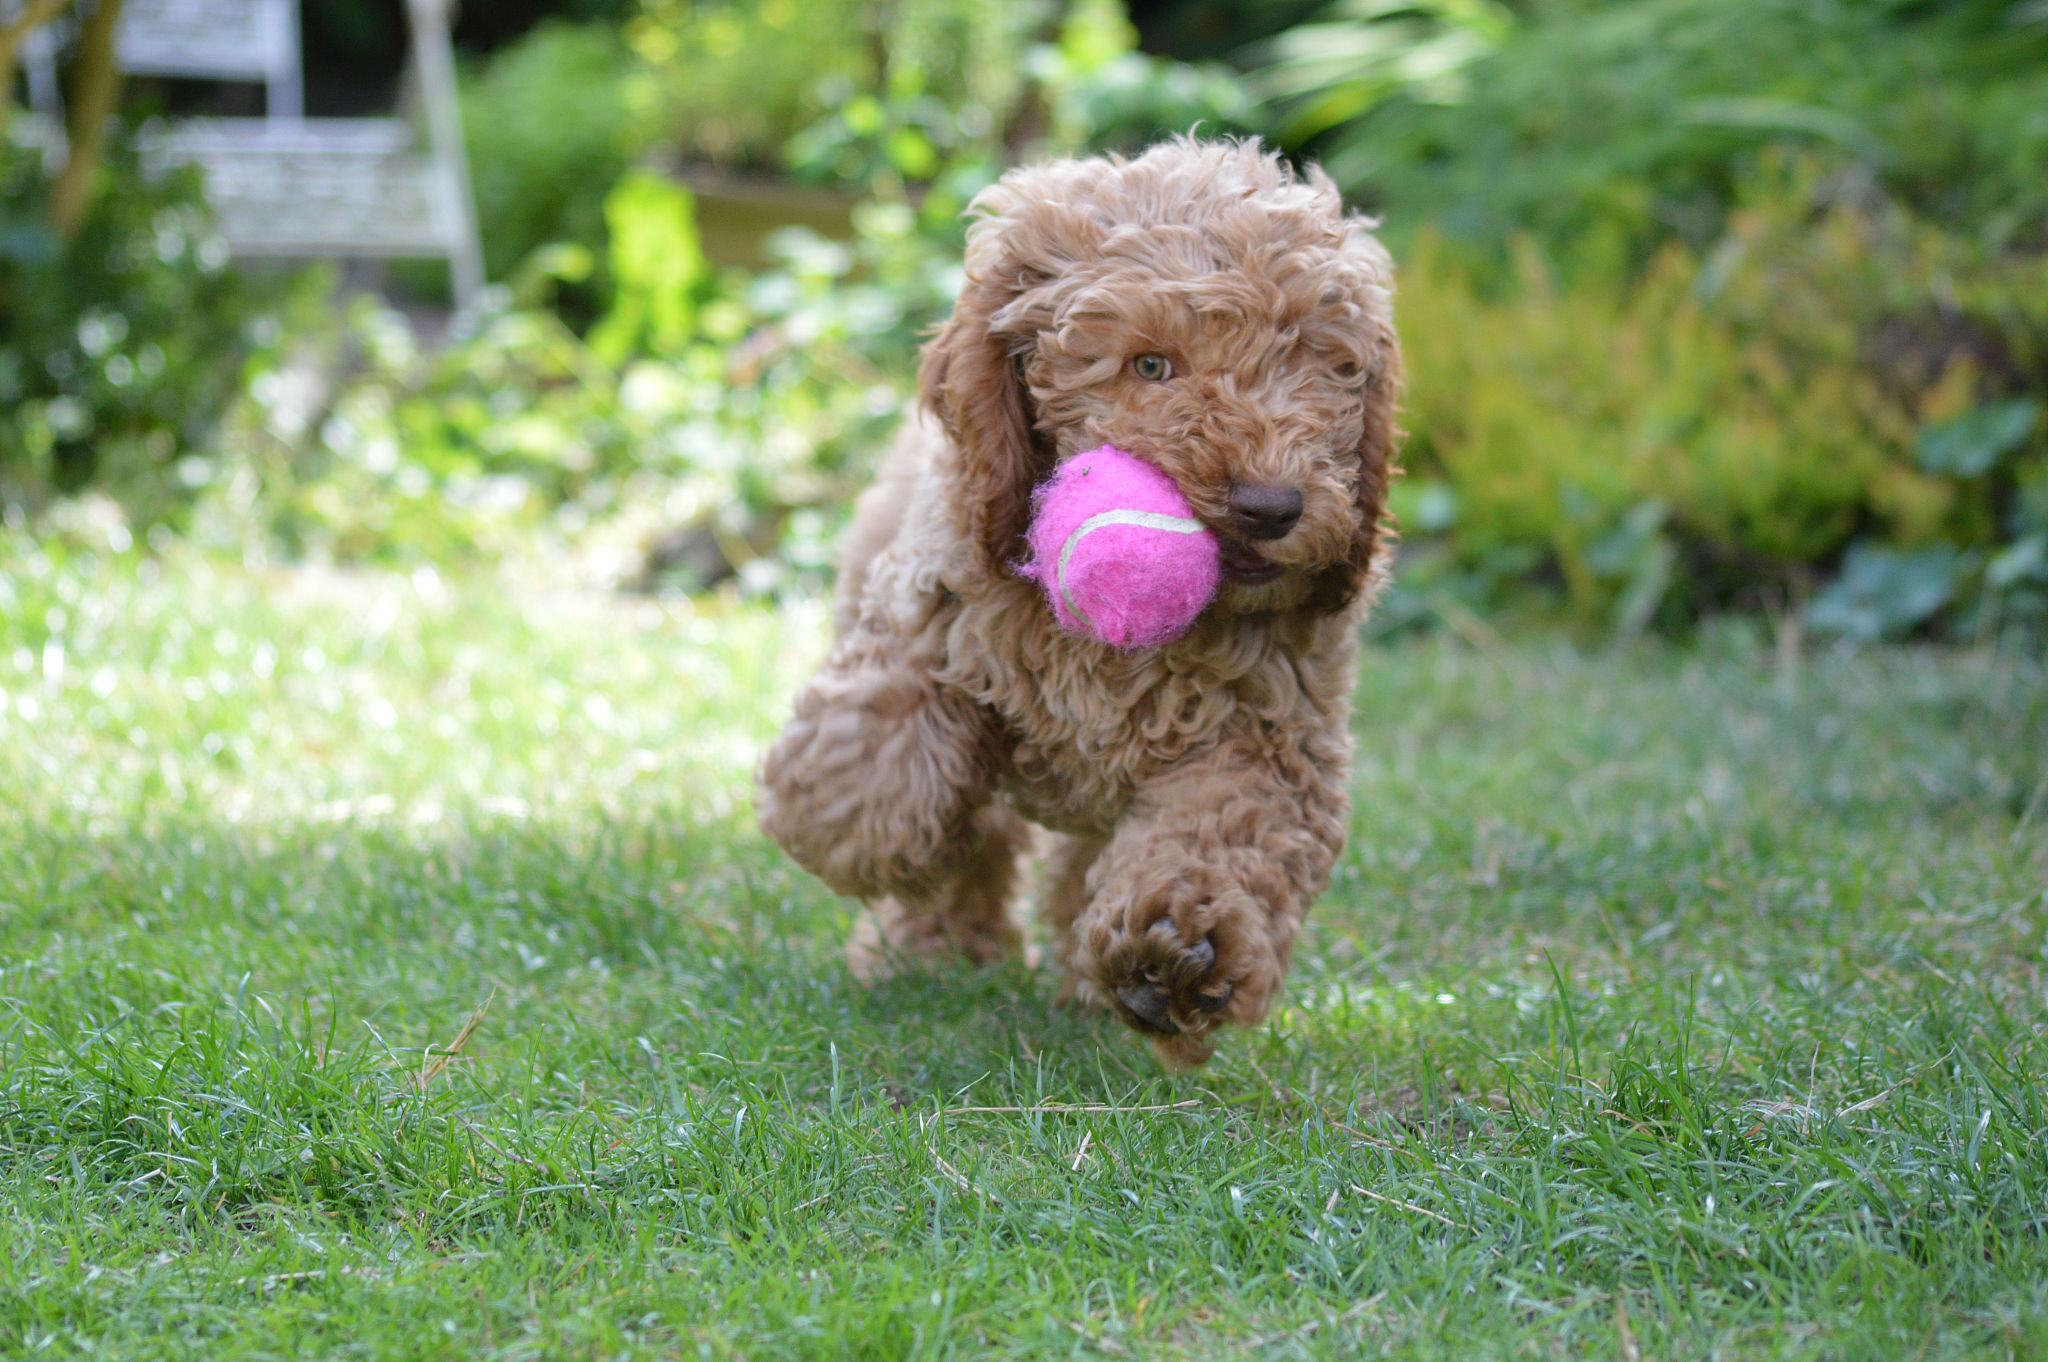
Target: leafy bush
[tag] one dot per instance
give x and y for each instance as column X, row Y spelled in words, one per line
column 1129, row 101
column 1210, row 30
column 1355, row 55
column 733, row 82
column 1088, row 89
column 549, row 130
column 1102, row 94
column 1638, row 119
column 119, row 347
column 1835, row 377
column 1653, row 371
column 746, row 406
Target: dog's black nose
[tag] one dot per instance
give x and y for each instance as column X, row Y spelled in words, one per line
column 1264, row 512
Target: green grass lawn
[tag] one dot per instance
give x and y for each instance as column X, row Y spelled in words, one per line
column 1668, row 1003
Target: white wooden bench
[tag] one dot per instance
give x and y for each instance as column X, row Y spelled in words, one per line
column 285, row 184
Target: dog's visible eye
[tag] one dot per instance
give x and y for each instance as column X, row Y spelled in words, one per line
column 1152, row 368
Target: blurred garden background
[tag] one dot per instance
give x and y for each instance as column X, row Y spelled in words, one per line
column 1711, row 306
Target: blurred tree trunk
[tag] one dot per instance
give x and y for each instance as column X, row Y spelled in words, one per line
column 94, row 93
column 13, row 34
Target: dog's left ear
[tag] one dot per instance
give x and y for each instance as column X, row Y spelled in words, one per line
column 1338, row 586
column 970, row 378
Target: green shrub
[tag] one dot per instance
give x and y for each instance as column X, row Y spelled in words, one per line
column 1722, row 428
column 1102, row 94
column 732, row 82
column 1088, row 89
column 749, row 404
column 1653, row 371
column 1343, row 61
column 549, row 130
column 1640, row 118
column 1210, row 30
column 119, row 347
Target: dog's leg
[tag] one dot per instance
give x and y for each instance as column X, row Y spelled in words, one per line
column 880, row 786
column 1066, row 898
column 967, row 916
column 1194, row 905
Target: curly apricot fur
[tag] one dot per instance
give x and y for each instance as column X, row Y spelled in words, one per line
column 1200, row 788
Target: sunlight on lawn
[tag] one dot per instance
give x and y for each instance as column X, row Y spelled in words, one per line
column 320, row 696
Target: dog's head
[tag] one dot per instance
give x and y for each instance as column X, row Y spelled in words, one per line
column 1204, row 308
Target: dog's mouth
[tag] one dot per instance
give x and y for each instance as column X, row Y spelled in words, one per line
column 1245, row 566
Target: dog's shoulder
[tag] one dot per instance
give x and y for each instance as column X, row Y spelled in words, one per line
column 904, row 546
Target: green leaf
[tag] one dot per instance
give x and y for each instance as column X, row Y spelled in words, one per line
column 1773, row 116
column 2026, row 560
column 863, row 115
column 657, row 260
column 1424, row 505
column 1884, row 593
column 912, row 153
column 1972, row 444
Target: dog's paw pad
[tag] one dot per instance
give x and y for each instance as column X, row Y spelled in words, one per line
column 1171, row 991
column 1147, row 1002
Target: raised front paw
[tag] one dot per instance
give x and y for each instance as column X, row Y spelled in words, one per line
column 1176, row 973
column 1186, row 973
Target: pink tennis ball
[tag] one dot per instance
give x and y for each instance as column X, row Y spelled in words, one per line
column 1119, row 552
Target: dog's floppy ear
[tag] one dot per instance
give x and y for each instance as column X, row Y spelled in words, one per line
column 971, row 379
column 1377, row 454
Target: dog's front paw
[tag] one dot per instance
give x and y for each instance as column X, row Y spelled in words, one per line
column 1176, row 973
column 1184, row 974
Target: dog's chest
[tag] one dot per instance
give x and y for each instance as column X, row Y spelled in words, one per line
column 1080, row 749
column 1084, row 727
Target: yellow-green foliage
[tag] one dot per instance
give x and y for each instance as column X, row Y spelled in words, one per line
column 1762, row 404
column 732, row 80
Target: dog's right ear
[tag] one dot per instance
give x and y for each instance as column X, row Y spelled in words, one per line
column 971, row 379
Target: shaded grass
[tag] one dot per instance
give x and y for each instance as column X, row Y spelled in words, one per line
column 1668, row 1000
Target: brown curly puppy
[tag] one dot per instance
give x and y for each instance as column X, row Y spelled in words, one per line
column 1210, row 311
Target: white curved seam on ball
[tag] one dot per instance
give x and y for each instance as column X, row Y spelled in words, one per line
column 1143, row 520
